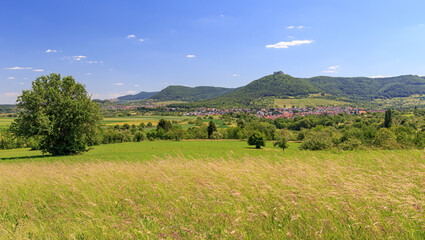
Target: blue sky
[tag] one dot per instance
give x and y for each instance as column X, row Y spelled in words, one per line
column 124, row 47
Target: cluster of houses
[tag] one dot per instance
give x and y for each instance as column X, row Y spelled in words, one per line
column 280, row 112
column 271, row 113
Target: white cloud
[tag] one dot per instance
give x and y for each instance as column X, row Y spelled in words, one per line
column 295, row 27
column 21, row 83
column 379, row 76
column 88, row 74
column 131, row 36
column 19, row 68
column 235, row 75
column 94, row 62
column 131, row 92
column 289, row 44
column 78, row 58
column 38, row 70
column 118, row 84
column 136, row 85
column 51, row 51
column 190, row 56
column 10, row 78
column 333, row 67
column 141, row 40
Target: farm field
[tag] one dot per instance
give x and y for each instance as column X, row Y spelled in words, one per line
column 5, row 122
column 304, row 102
column 182, row 121
column 212, row 189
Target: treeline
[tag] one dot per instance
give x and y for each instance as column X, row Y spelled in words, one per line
column 392, row 130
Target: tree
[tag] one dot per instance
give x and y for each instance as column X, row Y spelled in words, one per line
column 211, row 128
column 59, row 113
column 256, row 138
column 388, row 118
column 164, row 124
column 282, row 143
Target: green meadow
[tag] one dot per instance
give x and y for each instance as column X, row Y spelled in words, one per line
column 5, row 122
column 212, row 190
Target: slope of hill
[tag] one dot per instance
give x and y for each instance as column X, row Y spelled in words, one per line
column 139, row 96
column 189, row 94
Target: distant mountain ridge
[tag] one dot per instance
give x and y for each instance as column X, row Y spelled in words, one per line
column 190, row 94
column 139, row 96
column 281, row 85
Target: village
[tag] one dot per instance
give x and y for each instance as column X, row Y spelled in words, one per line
column 270, row 113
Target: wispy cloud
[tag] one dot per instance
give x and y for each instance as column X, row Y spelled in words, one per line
column 118, row 84
column 190, row 56
column 332, row 69
column 295, row 27
column 141, row 40
column 94, row 62
column 131, row 36
column 235, row 75
column 289, row 44
column 51, row 51
column 38, row 70
column 11, row 94
column 10, row 78
column 19, row 68
column 136, row 85
column 131, row 92
column 78, row 58
column 379, row 76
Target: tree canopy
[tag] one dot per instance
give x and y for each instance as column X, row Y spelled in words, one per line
column 59, row 113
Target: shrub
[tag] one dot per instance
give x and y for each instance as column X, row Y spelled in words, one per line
column 317, row 141
column 385, row 139
column 139, row 136
column 350, row 144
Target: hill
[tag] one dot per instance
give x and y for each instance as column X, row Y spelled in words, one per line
column 190, row 94
column 139, row 96
column 276, row 85
column 370, row 88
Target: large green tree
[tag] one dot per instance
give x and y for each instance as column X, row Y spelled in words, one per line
column 59, row 112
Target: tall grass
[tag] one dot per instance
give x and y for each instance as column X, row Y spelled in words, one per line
column 367, row 196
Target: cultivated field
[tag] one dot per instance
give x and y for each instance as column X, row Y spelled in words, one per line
column 5, row 122
column 307, row 102
column 212, row 189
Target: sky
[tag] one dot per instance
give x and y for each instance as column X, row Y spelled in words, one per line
column 123, row 47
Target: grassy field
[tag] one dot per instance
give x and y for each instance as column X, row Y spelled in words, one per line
column 214, row 190
column 182, row 121
column 304, row 102
column 5, row 122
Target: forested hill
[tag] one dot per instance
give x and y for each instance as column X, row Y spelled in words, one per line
column 370, row 88
column 354, row 88
column 139, row 96
column 189, row 94
column 277, row 85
